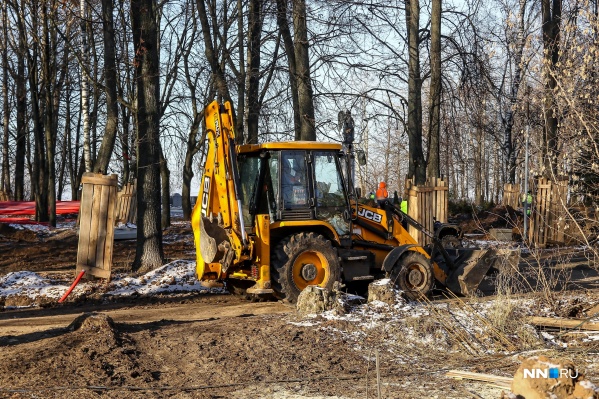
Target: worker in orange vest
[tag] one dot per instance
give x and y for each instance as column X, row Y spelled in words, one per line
column 381, row 193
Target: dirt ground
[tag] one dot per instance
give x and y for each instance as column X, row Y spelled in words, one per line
column 221, row 346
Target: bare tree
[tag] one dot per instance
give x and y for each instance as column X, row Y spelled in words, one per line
column 551, row 11
column 434, row 124
column 417, row 165
column 149, row 253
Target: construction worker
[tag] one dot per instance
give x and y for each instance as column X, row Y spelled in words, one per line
column 381, row 193
column 371, row 196
column 404, row 208
column 527, row 203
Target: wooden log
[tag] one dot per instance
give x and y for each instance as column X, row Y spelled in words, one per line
column 496, row 380
column 564, row 323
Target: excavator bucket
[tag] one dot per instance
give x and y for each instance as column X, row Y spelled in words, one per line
column 213, row 240
column 472, row 265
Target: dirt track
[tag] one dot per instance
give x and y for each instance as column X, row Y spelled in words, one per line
column 208, row 346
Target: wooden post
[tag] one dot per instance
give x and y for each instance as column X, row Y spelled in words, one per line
column 96, row 231
column 511, row 195
column 126, row 211
column 425, row 204
column 548, row 214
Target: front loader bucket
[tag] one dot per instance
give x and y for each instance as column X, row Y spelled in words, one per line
column 473, row 265
column 213, row 241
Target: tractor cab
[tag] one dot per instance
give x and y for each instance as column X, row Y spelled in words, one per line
column 294, row 182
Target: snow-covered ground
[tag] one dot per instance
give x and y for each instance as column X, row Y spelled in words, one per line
column 178, row 276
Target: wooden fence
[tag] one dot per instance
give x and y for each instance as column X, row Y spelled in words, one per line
column 425, row 204
column 126, row 208
column 548, row 216
column 4, row 196
column 96, row 231
column 511, row 195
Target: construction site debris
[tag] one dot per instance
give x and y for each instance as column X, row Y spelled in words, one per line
column 564, row 323
column 494, row 380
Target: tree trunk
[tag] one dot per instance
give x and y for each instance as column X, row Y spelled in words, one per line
column 283, row 25
column 112, row 107
column 302, row 69
column 253, row 87
column 551, row 37
column 165, row 177
column 241, row 84
column 509, row 150
column 5, row 178
column 434, row 125
column 48, row 61
column 417, row 166
column 84, row 66
column 192, row 149
column 149, row 254
column 21, row 144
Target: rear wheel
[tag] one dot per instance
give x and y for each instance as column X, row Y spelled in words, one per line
column 301, row 260
column 413, row 274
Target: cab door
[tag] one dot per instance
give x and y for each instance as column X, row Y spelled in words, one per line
column 329, row 191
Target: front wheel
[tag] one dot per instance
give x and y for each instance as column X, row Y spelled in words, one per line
column 413, row 274
column 301, row 260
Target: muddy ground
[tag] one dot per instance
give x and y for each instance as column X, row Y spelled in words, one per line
column 221, row 346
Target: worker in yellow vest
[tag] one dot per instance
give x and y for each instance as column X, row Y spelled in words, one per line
column 527, row 203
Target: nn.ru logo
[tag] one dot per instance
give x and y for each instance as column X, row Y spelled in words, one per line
column 552, row 372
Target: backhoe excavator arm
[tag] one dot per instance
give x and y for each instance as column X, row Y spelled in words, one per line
column 217, row 221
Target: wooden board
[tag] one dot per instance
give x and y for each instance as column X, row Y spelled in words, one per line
column 496, row 380
column 564, row 323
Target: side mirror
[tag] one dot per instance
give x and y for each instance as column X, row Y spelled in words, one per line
column 361, row 157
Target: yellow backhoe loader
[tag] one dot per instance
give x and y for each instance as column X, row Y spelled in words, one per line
column 273, row 218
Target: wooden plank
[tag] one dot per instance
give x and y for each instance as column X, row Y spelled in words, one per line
column 94, row 271
column 84, row 227
column 502, row 382
column 110, row 229
column 102, row 219
column 104, row 181
column 563, row 323
column 93, row 232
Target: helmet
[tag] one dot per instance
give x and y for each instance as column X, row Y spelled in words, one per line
column 382, row 184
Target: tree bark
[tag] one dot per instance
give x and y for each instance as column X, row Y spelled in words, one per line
column 48, row 61
column 509, row 150
column 21, row 144
column 551, row 14
column 417, row 166
column 112, row 107
column 255, row 18
column 165, row 178
column 84, row 87
column 434, row 125
column 5, row 178
column 302, row 69
column 149, row 253
column 283, row 25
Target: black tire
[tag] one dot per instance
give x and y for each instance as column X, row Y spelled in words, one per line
column 451, row 241
column 297, row 258
column 413, row 274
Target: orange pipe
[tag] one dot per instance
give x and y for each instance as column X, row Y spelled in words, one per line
column 66, row 294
